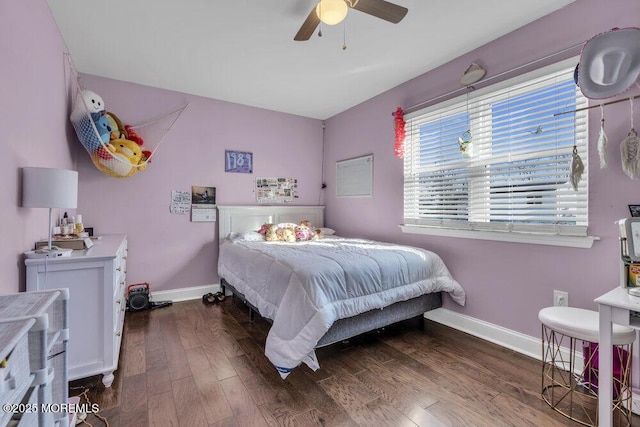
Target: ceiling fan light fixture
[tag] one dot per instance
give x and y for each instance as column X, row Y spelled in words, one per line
column 332, row 12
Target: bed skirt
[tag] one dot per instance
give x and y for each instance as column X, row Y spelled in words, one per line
column 350, row 327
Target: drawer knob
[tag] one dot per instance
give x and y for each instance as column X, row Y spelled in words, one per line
column 118, row 302
column 124, row 257
column 117, row 334
column 119, row 269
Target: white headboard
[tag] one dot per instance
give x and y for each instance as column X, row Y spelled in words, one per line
column 239, row 219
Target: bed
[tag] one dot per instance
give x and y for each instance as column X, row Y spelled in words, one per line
column 319, row 292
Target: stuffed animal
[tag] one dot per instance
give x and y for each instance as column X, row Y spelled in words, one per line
column 302, row 233
column 124, row 161
column 88, row 110
column 104, row 130
column 317, row 235
column 90, row 102
column 117, row 128
column 288, row 234
column 311, row 233
column 270, row 234
column 133, row 135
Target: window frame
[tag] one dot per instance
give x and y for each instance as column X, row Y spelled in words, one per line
column 524, row 234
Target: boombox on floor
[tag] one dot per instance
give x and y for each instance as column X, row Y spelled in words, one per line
column 139, row 298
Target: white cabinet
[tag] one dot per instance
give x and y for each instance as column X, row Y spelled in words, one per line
column 96, row 279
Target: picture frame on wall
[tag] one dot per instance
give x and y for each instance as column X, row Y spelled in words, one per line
column 238, row 161
column 634, row 210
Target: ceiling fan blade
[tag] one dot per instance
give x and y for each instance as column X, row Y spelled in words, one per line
column 382, row 9
column 308, row 26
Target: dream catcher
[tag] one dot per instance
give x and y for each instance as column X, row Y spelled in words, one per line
column 602, row 141
column 629, row 150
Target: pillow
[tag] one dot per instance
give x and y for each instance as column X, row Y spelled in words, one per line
column 327, row 231
column 248, row 236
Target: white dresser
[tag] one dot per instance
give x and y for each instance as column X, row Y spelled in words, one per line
column 96, row 279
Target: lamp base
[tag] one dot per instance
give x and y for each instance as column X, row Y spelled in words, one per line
column 46, row 252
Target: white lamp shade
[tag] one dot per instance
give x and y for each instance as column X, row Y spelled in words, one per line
column 49, row 188
column 332, row 12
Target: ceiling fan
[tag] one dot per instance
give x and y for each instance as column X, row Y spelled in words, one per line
column 332, row 12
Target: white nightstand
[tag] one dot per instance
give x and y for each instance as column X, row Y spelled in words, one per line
column 96, row 279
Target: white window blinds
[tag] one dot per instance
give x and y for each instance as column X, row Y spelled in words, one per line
column 514, row 173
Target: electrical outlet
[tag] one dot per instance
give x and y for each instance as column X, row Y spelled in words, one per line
column 561, row 299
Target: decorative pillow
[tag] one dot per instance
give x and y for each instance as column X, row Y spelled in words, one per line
column 327, row 231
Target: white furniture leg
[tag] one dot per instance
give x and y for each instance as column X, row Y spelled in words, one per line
column 107, row 379
column 605, row 382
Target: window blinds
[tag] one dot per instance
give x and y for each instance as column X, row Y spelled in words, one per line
column 514, row 175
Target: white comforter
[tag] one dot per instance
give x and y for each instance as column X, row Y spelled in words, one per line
column 304, row 287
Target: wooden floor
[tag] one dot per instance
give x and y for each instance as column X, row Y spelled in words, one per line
column 198, row 365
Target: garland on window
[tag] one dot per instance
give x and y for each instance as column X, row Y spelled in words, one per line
column 400, row 132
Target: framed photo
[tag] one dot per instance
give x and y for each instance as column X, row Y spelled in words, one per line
column 238, row 161
column 635, row 210
column 203, row 195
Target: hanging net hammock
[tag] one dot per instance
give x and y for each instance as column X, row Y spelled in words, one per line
column 116, row 149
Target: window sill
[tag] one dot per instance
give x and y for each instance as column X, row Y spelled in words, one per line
column 584, row 242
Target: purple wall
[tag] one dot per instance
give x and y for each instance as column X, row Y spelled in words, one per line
column 165, row 249
column 33, row 124
column 506, row 283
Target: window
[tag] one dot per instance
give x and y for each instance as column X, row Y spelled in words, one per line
column 514, row 175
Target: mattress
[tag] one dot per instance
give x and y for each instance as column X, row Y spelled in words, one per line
column 304, row 287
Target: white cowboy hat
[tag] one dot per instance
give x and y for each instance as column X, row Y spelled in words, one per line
column 609, row 63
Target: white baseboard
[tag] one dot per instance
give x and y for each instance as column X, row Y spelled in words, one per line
column 184, row 294
column 516, row 341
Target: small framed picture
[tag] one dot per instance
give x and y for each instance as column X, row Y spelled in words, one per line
column 238, row 161
column 635, row 210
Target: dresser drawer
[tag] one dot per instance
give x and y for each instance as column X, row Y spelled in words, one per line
column 15, row 374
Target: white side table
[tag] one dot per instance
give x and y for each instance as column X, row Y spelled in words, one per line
column 616, row 306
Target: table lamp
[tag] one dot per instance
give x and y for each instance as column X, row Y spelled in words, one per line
column 49, row 188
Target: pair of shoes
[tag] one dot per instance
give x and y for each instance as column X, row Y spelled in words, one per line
column 213, row 298
column 209, row 298
column 219, row 296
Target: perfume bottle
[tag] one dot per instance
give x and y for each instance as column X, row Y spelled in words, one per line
column 79, row 227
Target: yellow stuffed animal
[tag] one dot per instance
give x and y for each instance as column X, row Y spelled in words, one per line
column 124, row 160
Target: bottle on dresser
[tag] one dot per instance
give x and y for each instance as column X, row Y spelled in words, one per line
column 78, row 226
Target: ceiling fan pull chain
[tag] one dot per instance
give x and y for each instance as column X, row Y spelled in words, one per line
column 320, row 18
column 344, row 36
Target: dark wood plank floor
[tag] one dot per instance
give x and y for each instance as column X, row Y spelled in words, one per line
column 192, row 364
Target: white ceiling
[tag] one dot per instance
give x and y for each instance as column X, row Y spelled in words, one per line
column 243, row 51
